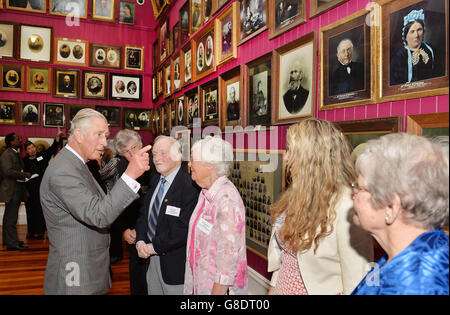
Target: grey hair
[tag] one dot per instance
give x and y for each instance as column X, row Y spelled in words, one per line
column 82, row 120
column 342, row 42
column 175, row 146
column 217, row 152
column 414, row 168
column 123, row 138
column 111, row 146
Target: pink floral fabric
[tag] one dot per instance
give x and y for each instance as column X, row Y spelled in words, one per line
column 218, row 254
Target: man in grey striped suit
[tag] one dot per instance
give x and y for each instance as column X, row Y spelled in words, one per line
column 77, row 211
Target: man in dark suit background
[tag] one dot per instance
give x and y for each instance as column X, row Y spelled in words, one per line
column 349, row 75
column 162, row 236
column 67, row 85
column 296, row 96
column 12, row 189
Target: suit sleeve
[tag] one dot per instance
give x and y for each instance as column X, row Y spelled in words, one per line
column 7, row 170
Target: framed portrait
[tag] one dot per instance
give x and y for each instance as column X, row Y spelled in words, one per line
column 112, row 114
column 177, row 72
column 125, row 87
column 226, row 34
column 253, row 19
column 259, row 91
column 155, row 121
column 30, row 113
column 39, row 79
column 295, row 65
column 184, row 138
column 34, row 6
column 176, row 39
column 428, row 125
column 318, row 7
column 209, row 94
column 71, row 51
column 220, row 5
column 208, row 9
column 127, row 12
column 180, row 111
column 230, row 98
column 105, row 56
column 284, row 15
column 72, row 110
column 158, row 7
column 8, row 112
column 347, row 77
column 35, row 43
column 192, row 106
column 12, row 77
column 164, row 113
column 196, row 16
column 173, row 113
column 204, row 51
column 167, row 72
column 54, row 115
column 136, row 118
column 155, row 56
column 103, row 10
column 154, row 86
column 72, row 8
column 184, row 20
column 358, row 132
column 413, row 66
column 160, row 81
column 94, row 85
column 187, row 63
column 163, row 30
column 8, row 40
column 133, row 58
column 66, row 83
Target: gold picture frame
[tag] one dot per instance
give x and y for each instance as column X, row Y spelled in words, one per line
column 39, row 6
column 12, row 77
column 227, row 26
column 39, row 79
column 104, row 10
column 35, row 43
column 66, row 83
column 74, row 52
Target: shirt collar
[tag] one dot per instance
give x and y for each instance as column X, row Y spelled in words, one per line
column 75, row 152
column 216, row 186
column 169, row 178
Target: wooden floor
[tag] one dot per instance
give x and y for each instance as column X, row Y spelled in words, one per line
column 22, row 272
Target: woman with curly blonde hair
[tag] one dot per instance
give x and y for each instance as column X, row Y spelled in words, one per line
column 315, row 248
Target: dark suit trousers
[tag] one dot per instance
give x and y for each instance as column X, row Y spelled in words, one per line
column 138, row 271
column 10, row 216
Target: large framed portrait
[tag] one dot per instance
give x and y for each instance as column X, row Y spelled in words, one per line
column 136, row 118
column 226, row 34
column 414, row 53
column 32, row 6
column 8, row 40
column 204, row 51
column 71, row 51
column 347, row 77
column 184, row 22
column 295, row 65
column 253, row 19
column 12, row 77
column 127, row 11
column 196, row 16
column 94, row 85
column 54, row 115
column 66, row 83
column 70, row 8
column 209, row 94
column 8, row 112
column 167, row 79
column 125, row 87
column 103, row 10
column 163, row 30
column 30, row 113
column 105, row 56
column 158, row 7
column 177, row 71
column 284, row 15
column 192, row 106
column 111, row 113
column 35, row 43
column 188, row 62
column 230, row 99
column 318, row 7
column 259, row 91
column 39, row 79
column 133, row 58
column 72, row 110
column 428, row 125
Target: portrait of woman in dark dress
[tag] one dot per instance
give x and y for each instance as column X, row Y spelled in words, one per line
column 417, row 60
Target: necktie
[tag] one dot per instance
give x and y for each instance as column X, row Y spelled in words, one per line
column 154, row 211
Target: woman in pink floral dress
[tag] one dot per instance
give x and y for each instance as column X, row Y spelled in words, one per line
column 216, row 261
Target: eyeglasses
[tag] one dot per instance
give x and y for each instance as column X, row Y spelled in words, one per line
column 356, row 189
column 132, row 149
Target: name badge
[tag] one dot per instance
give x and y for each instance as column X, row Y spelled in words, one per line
column 39, row 158
column 204, row 226
column 174, row 211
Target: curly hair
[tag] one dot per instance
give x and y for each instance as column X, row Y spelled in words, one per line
column 320, row 168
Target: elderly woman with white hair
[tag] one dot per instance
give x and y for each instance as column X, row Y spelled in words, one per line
column 402, row 199
column 216, row 261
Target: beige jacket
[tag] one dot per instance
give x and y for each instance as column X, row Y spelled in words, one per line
column 342, row 258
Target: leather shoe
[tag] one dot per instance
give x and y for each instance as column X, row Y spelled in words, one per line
column 18, row 247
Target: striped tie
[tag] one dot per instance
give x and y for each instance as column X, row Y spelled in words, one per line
column 153, row 216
